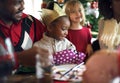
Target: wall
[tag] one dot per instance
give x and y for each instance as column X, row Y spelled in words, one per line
column 33, row 7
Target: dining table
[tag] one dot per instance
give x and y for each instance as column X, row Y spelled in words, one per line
column 27, row 79
column 63, row 69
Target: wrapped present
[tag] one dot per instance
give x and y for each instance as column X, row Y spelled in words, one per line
column 68, row 56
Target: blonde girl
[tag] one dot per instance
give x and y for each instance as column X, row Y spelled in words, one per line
column 78, row 34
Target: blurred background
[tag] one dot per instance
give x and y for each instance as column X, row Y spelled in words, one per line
column 33, row 7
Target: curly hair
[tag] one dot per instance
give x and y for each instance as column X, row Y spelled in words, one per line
column 105, row 8
column 50, row 5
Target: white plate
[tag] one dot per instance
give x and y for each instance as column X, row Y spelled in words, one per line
column 62, row 69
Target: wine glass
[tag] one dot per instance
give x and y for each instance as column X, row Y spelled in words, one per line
column 7, row 60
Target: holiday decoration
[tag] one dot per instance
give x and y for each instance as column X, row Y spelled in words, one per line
column 92, row 8
column 91, row 11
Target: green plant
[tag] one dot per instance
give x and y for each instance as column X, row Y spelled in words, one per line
column 94, row 23
column 91, row 18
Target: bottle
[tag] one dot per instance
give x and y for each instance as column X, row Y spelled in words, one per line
column 43, row 73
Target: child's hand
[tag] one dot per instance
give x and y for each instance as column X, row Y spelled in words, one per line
column 89, row 50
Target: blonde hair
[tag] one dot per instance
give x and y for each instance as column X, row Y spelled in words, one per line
column 70, row 5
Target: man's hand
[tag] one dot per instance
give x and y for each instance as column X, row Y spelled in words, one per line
column 27, row 57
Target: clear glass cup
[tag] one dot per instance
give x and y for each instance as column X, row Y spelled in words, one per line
column 7, row 60
column 43, row 69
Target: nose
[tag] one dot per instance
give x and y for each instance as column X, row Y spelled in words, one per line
column 78, row 13
column 22, row 6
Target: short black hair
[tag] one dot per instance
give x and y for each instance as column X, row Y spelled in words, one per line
column 3, row 1
column 50, row 5
column 105, row 8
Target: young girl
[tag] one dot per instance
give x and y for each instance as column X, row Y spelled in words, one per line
column 78, row 34
column 54, row 40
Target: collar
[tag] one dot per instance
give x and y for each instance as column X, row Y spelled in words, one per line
column 3, row 24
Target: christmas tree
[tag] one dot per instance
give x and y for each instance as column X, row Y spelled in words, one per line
column 91, row 11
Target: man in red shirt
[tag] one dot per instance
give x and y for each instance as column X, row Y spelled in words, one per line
column 23, row 30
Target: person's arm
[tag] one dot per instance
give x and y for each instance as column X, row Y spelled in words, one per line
column 27, row 57
column 89, row 50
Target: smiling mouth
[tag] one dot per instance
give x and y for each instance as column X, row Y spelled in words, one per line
column 19, row 14
column 77, row 17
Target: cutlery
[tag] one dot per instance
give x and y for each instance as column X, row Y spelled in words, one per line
column 73, row 68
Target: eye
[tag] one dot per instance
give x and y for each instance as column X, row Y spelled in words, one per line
column 73, row 11
column 64, row 28
column 18, row 2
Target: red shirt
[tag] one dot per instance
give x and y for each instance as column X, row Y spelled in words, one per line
column 80, row 38
column 14, row 31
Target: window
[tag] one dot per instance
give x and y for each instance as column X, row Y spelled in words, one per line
column 33, row 7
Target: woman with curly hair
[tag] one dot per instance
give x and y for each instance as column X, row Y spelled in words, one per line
column 104, row 65
column 109, row 27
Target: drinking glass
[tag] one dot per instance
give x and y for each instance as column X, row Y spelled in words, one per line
column 7, row 59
